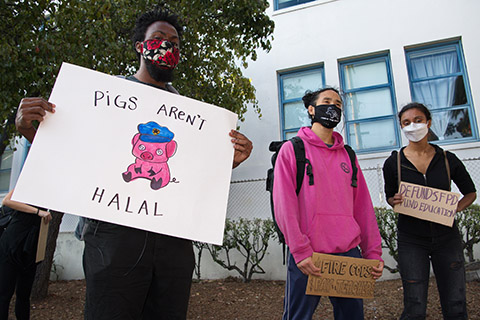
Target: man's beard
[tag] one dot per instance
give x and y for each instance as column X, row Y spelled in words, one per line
column 159, row 74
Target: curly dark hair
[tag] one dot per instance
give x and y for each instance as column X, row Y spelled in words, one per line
column 310, row 96
column 146, row 19
column 415, row 105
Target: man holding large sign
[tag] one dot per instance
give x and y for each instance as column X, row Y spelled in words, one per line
column 417, row 185
column 132, row 273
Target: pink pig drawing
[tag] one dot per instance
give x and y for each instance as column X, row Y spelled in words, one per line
column 153, row 145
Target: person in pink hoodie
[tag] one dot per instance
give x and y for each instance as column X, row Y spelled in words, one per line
column 329, row 216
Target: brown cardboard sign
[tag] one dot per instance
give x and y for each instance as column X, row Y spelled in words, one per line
column 42, row 241
column 342, row 277
column 428, row 203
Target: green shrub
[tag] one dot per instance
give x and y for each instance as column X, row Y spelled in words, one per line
column 468, row 222
column 387, row 224
column 200, row 247
column 250, row 239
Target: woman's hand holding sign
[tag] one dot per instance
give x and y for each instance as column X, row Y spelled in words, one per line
column 396, row 199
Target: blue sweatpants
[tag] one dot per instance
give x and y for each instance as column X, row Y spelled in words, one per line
column 299, row 306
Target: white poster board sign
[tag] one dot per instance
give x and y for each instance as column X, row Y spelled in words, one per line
column 128, row 153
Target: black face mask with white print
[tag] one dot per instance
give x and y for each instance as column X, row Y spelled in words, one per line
column 328, row 115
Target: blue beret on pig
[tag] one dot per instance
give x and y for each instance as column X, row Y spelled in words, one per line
column 153, row 132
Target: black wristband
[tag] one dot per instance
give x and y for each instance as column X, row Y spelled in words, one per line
column 38, row 211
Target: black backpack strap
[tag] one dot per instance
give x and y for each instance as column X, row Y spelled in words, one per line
column 309, row 172
column 351, row 155
column 399, row 168
column 274, row 147
column 447, row 166
column 302, row 162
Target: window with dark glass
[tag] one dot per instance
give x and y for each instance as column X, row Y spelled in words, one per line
column 293, row 86
column 280, row 4
column 438, row 79
column 369, row 106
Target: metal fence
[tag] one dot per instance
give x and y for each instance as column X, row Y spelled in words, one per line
column 249, row 198
column 374, row 179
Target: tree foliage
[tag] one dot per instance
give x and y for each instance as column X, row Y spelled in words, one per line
column 220, row 36
column 37, row 36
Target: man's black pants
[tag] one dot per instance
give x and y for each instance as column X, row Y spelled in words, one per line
column 135, row 274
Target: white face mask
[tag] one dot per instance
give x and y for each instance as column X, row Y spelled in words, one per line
column 415, row 131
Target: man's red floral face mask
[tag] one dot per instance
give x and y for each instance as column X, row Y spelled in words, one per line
column 162, row 53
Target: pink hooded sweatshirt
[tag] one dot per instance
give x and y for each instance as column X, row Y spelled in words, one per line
column 330, row 216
